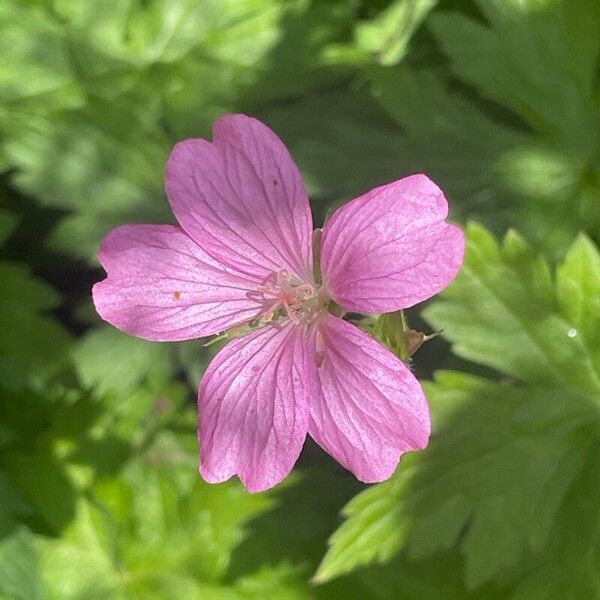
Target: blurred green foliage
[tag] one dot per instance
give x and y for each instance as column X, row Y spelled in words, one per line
column 499, row 102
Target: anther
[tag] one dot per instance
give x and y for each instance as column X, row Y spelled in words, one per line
column 286, row 294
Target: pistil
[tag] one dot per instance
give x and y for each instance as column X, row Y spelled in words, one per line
column 286, row 293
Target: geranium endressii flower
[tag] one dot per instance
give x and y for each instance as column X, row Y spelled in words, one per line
column 242, row 257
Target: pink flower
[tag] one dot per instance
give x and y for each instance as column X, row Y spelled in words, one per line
column 243, row 254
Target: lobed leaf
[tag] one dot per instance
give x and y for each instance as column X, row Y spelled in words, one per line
column 508, row 456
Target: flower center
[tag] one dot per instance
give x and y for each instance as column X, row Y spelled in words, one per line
column 298, row 300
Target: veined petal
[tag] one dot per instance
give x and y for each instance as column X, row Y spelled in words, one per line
column 253, row 406
column 162, row 286
column 391, row 248
column 371, row 408
column 242, row 199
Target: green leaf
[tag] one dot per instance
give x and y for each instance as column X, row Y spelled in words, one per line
column 568, row 568
column 295, row 530
column 538, row 60
column 40, row 74
column 12, row 506
column 510, row 142
column 111, row 362
column 540, row 63
column 448, row 136
column 40, row 476
column 343, row 143
column 493, row 468
column 578, row 291
column 503, row 312
column 384, row 39
column 33, row 346
column 539, row 171
column 370, row 533
column 163, row 32
column 80, row 564
column 193, row 356
column 60, row 442
column 104, row 163
column 388, row 35
column 393, row 331
column 435, row 577
column 150, row 74
column 8, row 222
column 506, row 455
column 156, row 529
column 19, row 568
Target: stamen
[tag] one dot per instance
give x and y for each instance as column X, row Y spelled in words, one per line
column 288, row 294
column 272, row 309
column 291, row 312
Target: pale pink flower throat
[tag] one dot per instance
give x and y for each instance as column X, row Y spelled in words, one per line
column 300, row 301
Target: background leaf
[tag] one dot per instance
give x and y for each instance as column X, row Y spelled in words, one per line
column 509, row 452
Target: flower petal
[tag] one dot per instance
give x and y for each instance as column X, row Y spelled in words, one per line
column 372, row 409
column 253, row 406
column 391, row 248
column 161, row 286
column 242, row 198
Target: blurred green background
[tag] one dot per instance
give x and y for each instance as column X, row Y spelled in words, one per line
column 499, row 102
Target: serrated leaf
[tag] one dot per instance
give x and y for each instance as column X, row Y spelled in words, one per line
column 370, row 533
column 503, row 312
column 42, row 480
column 150, row 532
column 540, row 63
column 578, row 292
column 294, row 531
column 527, row 158
column 162, row 32
column 505, row 456
column 438, row 576
column 449, row 137
column 485, row 470
column 103, row 163
column 79, row 565
column 12, row 506
column 150, row 74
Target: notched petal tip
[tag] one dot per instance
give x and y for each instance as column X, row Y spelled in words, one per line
column 236, row 120
column 371, row 409
column 161, row 286
column 253, row 407
column 241, row 198
column 252, row 487
column 429, row 191
column 391, row 248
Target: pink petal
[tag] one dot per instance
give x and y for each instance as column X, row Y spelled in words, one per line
column 391, row 248
column 253, row 406
column 162, row 286
column 242, row 198
column 372, row 408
